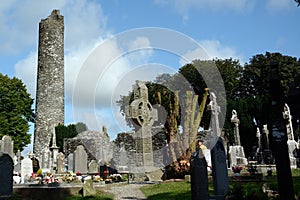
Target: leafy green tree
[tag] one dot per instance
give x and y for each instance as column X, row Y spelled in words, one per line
column 70, row 131
column 254, row 92
column 15, row 111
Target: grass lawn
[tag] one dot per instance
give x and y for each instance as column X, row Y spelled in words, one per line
column 237, row 190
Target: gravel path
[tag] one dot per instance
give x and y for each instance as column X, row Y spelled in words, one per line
column 131, row 191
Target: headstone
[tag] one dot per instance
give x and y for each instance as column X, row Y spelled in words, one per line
column 292, row 144
column 80, row 160
column 88, row 188
column 70, row 162
column 265, row 139
column 289, row 126
column 214, row 129
column 17, row 167
column 26, row 169
column 46, row 160
column 219, row 169
column 142, row 113
column 279, row 135
column 235, row 120
column 199, row 178
column 236, row 152
column 60, row 163
column 6, row 175
column 35, row 164
column 93, row 167
column 258, row 135
column 7, row 145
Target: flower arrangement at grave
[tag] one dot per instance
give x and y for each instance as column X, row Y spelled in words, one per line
column 78, row 174
column 116, row 177
column 236, row 168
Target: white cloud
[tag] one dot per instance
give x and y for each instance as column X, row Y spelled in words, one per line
column 183, row 7
column 211, row 49
column 279, row 5
column 26, row 70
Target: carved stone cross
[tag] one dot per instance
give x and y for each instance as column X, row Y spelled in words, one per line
column 235, row 120
column 143, row 114
column 215, row 110
column 141, row 110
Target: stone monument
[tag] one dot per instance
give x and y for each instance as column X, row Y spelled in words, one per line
column 80, row 160
column 219, row 169
column 143, row 115
column 236, row 152
column 292, row 144
column 6, row 175
column 50, row 83
column 26, row 169
column 60, row 163
column 7, row 145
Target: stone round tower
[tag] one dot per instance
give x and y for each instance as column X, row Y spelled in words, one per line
column 50, row 85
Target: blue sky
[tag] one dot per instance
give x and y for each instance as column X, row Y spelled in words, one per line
column 223, row 28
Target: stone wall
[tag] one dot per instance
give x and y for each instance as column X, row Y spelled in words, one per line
column 50, row 81
column 126, row 141
column 96, row 144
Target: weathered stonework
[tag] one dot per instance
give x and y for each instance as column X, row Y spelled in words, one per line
column 97, row 145
column 50, row 82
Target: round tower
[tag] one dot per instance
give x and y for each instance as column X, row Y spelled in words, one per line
column 50, row 85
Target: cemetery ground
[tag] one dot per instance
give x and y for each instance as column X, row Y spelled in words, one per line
column 240, row 187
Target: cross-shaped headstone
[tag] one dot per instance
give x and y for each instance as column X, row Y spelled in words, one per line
column 235, row 120
column 141, row 110
column 142, row 113
column 215, row 110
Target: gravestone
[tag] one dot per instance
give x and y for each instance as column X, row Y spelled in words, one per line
column 17, row 167
column 35, row 164
column 199, row 178
column 292, row 144
column 219, row 169
column 143, row 115
column 7, row 146
column 70, row 162
column 60, row 163
column 26, row 169
column 236, row 152
column 46, row 159
column 258, row 135
column 93, row 167
column 80, row 160
column 6, row 175
column 88, row 188
column 265, row 137
column 279, row 135
column 235, row 120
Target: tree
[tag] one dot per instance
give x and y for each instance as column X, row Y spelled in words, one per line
column 254, row 92
column 70, row 131
column 15, row 111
